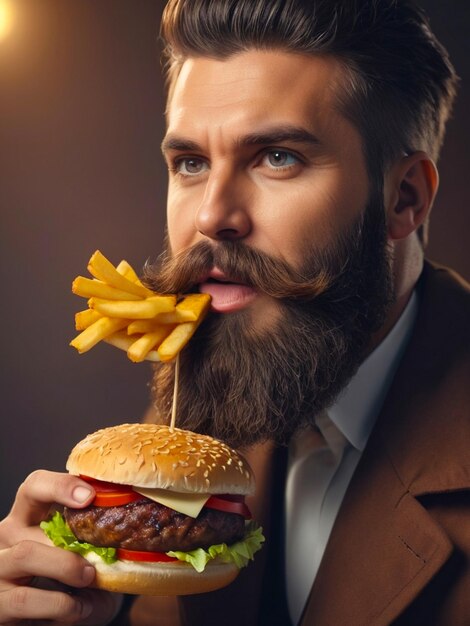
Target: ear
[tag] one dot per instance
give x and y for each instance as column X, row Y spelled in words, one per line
column 411, row 187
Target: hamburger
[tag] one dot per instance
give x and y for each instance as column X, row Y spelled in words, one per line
column 169, row 516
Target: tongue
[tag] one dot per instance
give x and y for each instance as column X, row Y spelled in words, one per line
column 227, row 297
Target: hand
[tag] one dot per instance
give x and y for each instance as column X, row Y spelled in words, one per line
column 27, row 555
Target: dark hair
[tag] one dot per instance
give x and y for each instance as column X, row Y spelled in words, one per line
column 400, row 83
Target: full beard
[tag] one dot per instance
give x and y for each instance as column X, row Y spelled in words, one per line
column 245, row 386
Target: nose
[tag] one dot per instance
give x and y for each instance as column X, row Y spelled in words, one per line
column 224, row 212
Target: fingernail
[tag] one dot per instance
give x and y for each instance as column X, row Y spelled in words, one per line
column 88, row 574
column 80, row 494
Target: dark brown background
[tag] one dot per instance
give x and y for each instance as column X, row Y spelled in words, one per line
column 81, row 120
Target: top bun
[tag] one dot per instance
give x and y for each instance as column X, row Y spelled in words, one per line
column 156, row 456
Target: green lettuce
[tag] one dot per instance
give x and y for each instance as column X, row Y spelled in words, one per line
column 240, row 553
column 61, row 535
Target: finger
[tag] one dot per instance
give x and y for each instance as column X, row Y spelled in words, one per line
column 106, row 606
column 11, row 534
column 31, row 533
column 29, row 558
column 41, row 489
column 29, row 603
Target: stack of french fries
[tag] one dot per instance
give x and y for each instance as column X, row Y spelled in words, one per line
column 124, row 313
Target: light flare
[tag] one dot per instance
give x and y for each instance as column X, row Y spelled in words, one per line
column 6, row 18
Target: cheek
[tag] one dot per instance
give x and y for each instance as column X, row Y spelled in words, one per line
column 324, row 211
column 174, row 231
column 306, row 217
column 180, row 220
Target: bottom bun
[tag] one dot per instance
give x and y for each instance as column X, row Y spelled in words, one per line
column 160, row 579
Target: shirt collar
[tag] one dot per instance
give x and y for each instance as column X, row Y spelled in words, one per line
column 358, row 405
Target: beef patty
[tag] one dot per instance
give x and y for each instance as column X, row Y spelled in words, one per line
column 147, row 525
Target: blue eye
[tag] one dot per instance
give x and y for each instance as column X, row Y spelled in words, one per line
column 281, row 158
column 190, row 166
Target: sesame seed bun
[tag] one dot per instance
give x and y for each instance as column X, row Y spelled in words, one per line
column 156, row 456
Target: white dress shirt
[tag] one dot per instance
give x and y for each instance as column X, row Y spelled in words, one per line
column 322, row 462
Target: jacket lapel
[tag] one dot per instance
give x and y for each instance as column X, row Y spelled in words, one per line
column 385, row 547
column 382, row 552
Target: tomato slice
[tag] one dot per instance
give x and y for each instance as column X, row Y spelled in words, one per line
column 116, row 499
column 110, row 494
column 229, row 504
column 148, row 557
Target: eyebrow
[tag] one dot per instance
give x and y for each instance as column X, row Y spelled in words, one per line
column 279, row 134
column 180, row 144
column 263, row 137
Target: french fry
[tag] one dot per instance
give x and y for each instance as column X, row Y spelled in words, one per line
column 176, row 340
column 86, row 318
column 128, row 272
column 142, row 309
column 142, row 346
column 190, row 309
column 125, row 314
column 104, row 270
column 176, row 317
column 197, row 303
column 142, row 326
column 122, row 341
column 99, row 330
column 88, row 288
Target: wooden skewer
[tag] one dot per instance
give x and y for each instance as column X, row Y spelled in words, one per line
column 175, row 393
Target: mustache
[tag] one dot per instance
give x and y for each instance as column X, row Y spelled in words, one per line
column 239, row 263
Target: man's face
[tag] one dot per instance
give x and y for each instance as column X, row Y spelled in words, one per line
column 258, row 153
column 270, row 212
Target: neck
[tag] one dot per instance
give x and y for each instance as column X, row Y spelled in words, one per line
column 407, row 265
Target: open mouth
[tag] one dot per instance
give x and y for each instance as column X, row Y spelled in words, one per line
column 227, row 294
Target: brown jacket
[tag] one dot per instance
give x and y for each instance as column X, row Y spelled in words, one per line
column 399, row 552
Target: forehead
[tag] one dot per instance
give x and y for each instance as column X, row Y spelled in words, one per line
column 252, row 88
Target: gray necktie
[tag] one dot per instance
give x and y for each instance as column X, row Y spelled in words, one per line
column 314, row 457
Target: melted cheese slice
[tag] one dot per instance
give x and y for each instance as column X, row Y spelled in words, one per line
column 187, row 503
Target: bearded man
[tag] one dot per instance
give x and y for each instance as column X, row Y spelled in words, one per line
column 301, row 144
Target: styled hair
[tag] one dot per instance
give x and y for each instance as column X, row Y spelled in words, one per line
column 400, row 84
